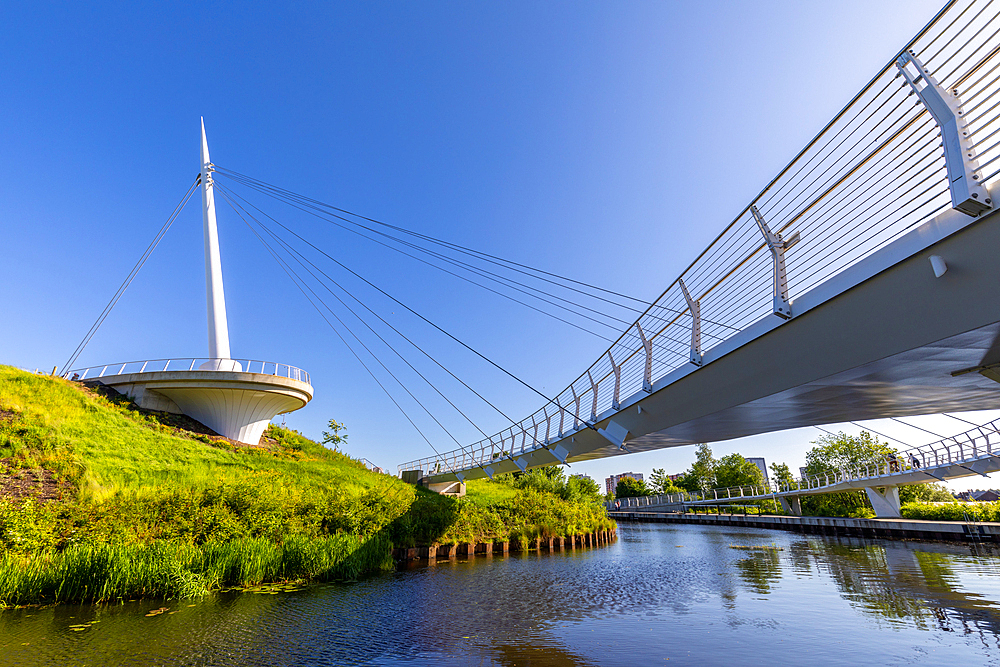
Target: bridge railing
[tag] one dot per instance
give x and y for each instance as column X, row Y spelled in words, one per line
column 960, row 449
column 184, row 364
column 967, row 447
column 875, row 171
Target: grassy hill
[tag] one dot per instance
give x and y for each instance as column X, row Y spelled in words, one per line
column 100, row 500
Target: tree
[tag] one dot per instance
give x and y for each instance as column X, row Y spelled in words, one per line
column 660, row 482
column 783, row 476
column 333, row 437
column 631, row 488
column 659, row 479
column 924, row 493
column 583, row 488
column 701, row 475
column 734, row 470
column 837, row 452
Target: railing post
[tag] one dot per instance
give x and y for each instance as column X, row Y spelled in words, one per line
column 647, row 373
column 618, row 381
column 562, row 416
column 777, row 246
column 593, row 388
column 967, row 194
column 695, row 308
column 576, row 411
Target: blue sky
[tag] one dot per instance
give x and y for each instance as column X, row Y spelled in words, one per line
column 609, row 142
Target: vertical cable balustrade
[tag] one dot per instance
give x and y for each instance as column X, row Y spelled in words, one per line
column 876, row 171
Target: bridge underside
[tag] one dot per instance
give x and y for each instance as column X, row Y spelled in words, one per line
column 881, row 339
column 915, row 382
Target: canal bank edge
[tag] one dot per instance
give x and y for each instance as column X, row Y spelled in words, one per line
column 489, row 549
column 890, row 529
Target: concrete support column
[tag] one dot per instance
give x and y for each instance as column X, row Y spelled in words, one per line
column 885, row 503
column 791, row 505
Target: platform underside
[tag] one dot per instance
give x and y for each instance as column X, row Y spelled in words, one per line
column 234, row 404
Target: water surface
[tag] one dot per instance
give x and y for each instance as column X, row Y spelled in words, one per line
column 661, row 595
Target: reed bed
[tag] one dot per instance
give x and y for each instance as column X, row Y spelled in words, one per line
column 113, row 572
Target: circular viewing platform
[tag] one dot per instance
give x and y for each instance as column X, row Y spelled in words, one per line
column 236, row 398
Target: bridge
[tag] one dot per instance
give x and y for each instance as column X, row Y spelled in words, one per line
column 861, row 283
column 975, row 452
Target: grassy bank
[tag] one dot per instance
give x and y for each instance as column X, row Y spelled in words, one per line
column 952, row 511
column 102, row 501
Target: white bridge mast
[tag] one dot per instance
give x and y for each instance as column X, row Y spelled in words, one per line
column 218, row 326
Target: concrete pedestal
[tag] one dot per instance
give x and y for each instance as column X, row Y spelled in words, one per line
column 232, row 403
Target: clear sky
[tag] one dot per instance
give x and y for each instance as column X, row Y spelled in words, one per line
column 609, row 142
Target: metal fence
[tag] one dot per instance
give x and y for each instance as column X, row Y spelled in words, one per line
column 958, row 450
column 186, row 364
column 876, row 171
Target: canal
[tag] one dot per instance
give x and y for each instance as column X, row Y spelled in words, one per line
column 660, row 595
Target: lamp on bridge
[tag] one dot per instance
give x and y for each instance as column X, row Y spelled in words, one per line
column 222, row 393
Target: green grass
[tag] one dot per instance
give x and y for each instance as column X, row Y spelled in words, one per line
column 109, row 572
column 153, row 510
column 109, row 447
column 484, row 493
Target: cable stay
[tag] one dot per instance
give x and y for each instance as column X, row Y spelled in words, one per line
column 316, row 209
column 377, row 335
column 866, row 428
column 499, row 261
column 302, row 258
column 917, row 427
column 302, row 288
column 292, row 271
column 408, row 309
column 130, row 277
column 460, row 277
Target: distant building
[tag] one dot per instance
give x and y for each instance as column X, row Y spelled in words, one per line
column 582, row 476
column 611, row 483
column 989, row 496
column 759, row 462
column 674, row 478
column 802, row 472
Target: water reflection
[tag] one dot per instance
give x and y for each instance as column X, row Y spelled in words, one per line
column 912, row 581
column 661, row 592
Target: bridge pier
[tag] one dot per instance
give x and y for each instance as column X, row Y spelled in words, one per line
column 885, row 503
column 791, row 505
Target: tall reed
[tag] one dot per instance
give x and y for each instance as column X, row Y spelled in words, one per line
column 107, row 572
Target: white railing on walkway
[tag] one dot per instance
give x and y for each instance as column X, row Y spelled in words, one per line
column 184, row 364
column 876, row 171
column 959, row 450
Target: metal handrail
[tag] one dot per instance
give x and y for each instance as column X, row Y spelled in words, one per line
column 975, row 444
column 875, row 172
column 184, row 364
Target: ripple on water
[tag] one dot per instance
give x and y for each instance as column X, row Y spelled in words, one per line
column 677, row 592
